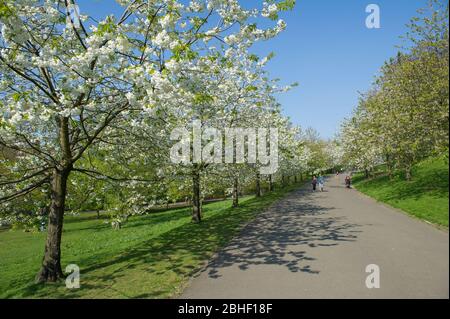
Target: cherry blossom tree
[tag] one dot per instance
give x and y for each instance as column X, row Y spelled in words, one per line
column 66, row 84
column 404, row 116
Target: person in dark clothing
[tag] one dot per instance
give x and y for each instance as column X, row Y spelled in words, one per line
column 314, row 183
column 348, row 181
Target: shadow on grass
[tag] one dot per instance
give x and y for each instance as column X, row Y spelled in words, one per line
column 133, row 221
column 163, row 214
column 161, row 265
column 434, row 183
column 84, row 217
column 180, row 251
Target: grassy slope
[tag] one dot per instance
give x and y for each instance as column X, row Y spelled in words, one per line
column 425, row 197
column 150, row 257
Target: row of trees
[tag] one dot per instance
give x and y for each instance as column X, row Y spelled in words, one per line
column 404, row 117
column 88, row 107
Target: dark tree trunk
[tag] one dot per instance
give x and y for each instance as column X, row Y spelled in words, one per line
column 408, row 173
column 270, row 183
column 196, row 200
column 258, row 184
column 295, row 179
column 389, row 166
column 98, row 213
column 51, row 263
column 283, row 180
column 366, row 173
column 389, row 169
column 235, row 192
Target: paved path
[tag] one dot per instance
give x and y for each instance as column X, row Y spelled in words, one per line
column 317, row 245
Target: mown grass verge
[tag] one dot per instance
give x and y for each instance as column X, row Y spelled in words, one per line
column 152, row 256
column 425, row 196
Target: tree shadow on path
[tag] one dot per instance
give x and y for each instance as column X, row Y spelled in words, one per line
column 158, row 266
column 282, row 235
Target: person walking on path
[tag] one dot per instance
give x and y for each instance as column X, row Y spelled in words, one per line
column 321, row 181
column 314, row 183
column 319, row 247
column 348, row 181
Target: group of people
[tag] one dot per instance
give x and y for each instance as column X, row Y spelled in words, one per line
column 320, row 181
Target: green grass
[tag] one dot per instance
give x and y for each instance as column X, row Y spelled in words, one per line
column 425, row 196
column 152, row 256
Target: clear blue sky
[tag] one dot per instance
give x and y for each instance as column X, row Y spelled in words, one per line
column 327, row 49
column 330, row 52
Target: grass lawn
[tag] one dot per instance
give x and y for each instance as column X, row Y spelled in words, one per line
column 425, row 196
column 152, row 256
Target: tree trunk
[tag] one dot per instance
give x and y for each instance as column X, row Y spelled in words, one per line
column 270, row 183
column 366, row 173
column 258, row 184
column 98, row 213
column 389, row 166
column 235, row 192
column 301, row 177
column 196, row 200
column 295, row 179
column 51, row 263
column 390, row 170
column 408, row 173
